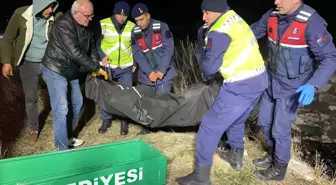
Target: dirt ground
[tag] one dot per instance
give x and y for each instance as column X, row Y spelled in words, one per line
column 178, row 147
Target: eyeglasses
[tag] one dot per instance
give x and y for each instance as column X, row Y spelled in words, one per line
column 87, row 16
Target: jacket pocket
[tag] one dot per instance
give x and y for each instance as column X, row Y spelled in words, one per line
column 289, row 64
column 305, row 64
column 158, row 52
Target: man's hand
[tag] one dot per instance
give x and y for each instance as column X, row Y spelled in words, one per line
column 105, row 60
column 133, row 69
column 7, row 70
column 159, row 75
column 153, row 76
column 307, row 94
column 102, row 72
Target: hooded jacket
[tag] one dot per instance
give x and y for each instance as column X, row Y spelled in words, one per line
column 19, row 31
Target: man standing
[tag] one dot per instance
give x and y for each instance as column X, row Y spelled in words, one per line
column 153, row 49
column 114, row 48
column 25, row 41
column 231, row 49
column 296, row 36
column 71, row 46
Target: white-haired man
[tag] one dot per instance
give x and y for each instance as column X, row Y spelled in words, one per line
column 71, row 46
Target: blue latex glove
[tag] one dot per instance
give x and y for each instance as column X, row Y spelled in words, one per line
column 307, row 94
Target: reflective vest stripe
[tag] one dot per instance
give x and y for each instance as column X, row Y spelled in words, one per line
column 109, row 33
column 245, row 75
column 240, row 60
column 293, row 46
column 115, row 66
column 288, row 45
column 153, row 48
column 294, row 36
column 122, row 46
column 106, row 24
column 117, row 46
column 156, row 37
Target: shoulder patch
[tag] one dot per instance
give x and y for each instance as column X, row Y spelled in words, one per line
column 322, row 39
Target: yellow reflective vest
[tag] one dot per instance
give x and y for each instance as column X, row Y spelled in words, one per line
column 242, row 60
column 117, row 46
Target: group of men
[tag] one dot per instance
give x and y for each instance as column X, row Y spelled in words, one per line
column 297, row 37
column 124, row 47
column 58, row 46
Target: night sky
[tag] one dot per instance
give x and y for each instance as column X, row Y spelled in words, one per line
column 184, row 17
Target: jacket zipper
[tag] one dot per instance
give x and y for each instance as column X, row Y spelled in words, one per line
column 277, row 48
column 119, row 51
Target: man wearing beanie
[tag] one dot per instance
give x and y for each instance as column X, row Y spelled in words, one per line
column 231, row 49
column 114, row 49
column 153, row 49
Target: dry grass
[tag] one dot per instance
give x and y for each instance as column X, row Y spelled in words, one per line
column 188, row 71
column 178, row 147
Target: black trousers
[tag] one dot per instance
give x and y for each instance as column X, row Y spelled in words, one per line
column 30, row 74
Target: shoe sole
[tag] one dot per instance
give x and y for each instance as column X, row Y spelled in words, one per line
column 236, row 168
column 73, row 144
column 262, row 165
column 124, row 133
column 102, row 132
column 232, row 164
column 265, row 179
column 188, row 183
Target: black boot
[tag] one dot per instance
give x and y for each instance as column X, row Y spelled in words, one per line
column 276, row 172
column 234, row 157
column 200, row 176
column 144, row 131
column 266, row 161
column 123, row 127
column 105, row 126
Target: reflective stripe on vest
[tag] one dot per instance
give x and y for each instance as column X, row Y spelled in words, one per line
column 117, row 46
column 156, row 37
column 294, row 36
column 242, row 60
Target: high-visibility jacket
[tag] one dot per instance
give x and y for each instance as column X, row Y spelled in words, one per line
column 117, row 46
column 242, row 60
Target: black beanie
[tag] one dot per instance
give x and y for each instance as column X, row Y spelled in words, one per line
column 121, row 7
column 215, row 5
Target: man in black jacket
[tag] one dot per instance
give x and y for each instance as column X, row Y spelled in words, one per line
column 71, row 46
